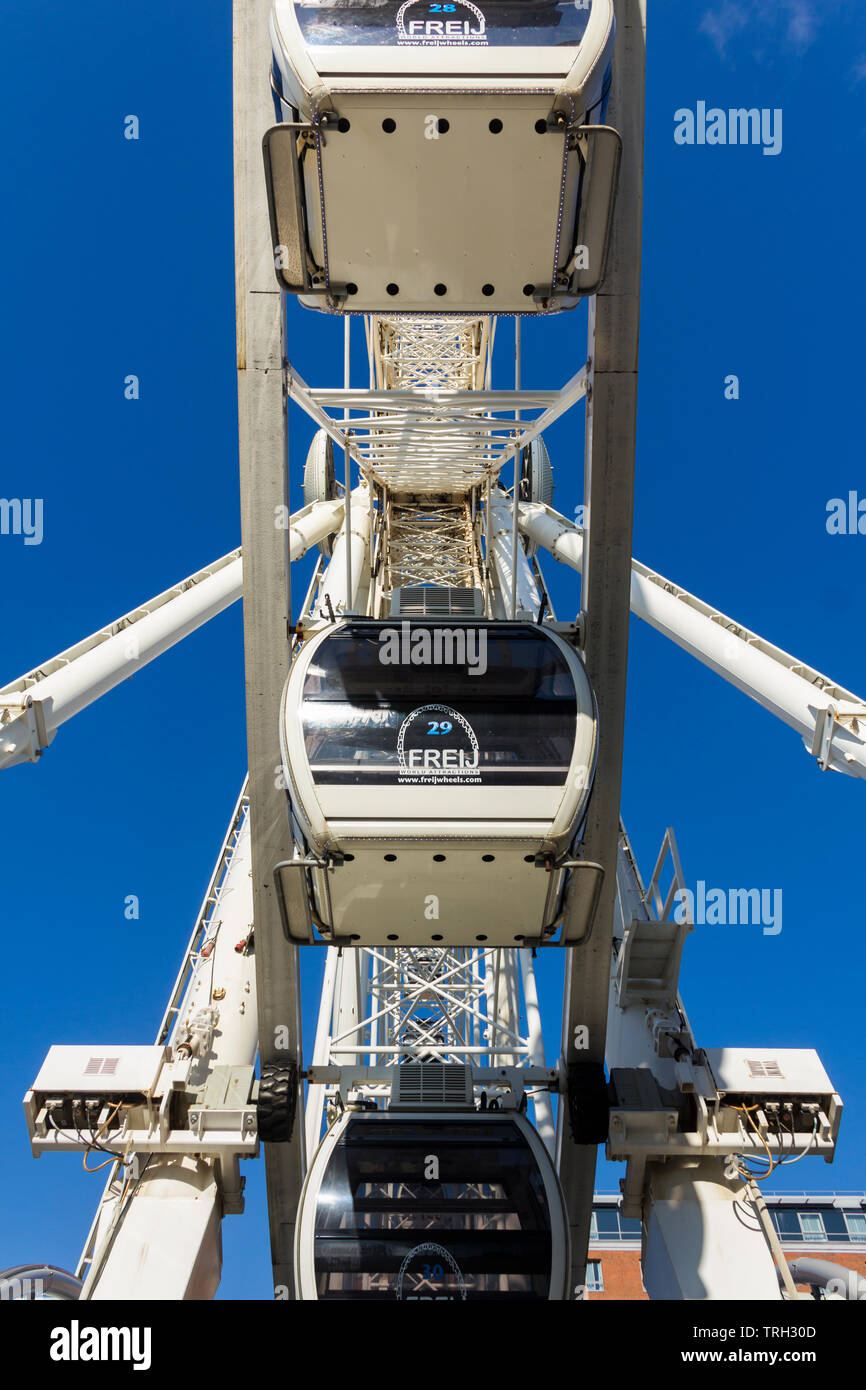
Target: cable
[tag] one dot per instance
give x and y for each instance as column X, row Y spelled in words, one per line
column 104, row 1164
column 744, row 1171
column 786, row 1162
column 93, row 1145
column 85, row 1144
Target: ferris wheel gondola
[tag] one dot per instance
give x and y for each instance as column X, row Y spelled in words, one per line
column 445, row 157
column 428, row 1207
column 434, row 774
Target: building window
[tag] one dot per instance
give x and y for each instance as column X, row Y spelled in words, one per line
column 812, row 1225
column 607, row 1223
column 856, row 1223
column 594, row 1277
column 786, row 1224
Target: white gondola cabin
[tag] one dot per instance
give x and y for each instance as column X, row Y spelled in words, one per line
column 378, row 1222
column 441, row 157
column 438, row 777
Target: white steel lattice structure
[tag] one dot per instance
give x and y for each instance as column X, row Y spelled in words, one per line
column 431, row 354
column 431, row 439
column 384, row 1007
column 432, row 543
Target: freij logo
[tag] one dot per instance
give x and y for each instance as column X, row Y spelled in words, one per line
column 453, row 24
column 436, row 742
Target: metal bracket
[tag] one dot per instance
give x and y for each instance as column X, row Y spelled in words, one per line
column 225, row 1103
column 586, row 884
column 829, row 719
column 30, row 710
column 288, row 212
column 300, row 899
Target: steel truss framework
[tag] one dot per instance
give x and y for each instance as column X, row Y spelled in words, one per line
column 431, row 354
column 431, row 543
column 430, row 439
column 435, row 1004
column 387, row 1006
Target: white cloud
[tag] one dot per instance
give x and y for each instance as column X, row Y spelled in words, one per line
column 802, row 18
column 724, row 22
column 792, row 24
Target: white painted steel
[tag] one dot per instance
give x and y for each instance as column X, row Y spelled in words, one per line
column 312, row 524
column 788, row 688
column 429, row 429
column 350, row 556
column 67, row 684
column 74, row 679
column 515, row 496
column 516, row 587
column 705, row 1235
column 702, row 1239
column 464, row 221
column 157, row 1236
column 321, row 1054
column 542, row 1100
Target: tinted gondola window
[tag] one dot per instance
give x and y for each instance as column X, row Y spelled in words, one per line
column 504, row 715
column 497, row 23
column 478, row 1230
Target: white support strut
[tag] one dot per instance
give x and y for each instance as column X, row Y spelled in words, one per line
column 33, row 707
column 831, row 720
column 156, row 1234
column 515, row 582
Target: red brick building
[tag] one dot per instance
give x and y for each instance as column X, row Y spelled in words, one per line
column 827, row 1226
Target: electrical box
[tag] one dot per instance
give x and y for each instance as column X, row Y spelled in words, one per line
column 762, row 1071
column 100, row 1069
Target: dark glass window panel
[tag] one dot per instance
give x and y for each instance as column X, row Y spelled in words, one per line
column 834, row 1222
column 507, row 23
column 521, row 711
column 480, row 1230
column 607, row 1220
column 516, row 664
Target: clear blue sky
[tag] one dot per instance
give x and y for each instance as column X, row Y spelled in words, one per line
column 118, row 259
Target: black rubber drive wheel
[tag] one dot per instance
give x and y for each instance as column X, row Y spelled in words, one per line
column 588, row 1103
column 277, row 1102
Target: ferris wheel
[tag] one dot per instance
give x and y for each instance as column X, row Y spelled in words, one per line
column 448, row 750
